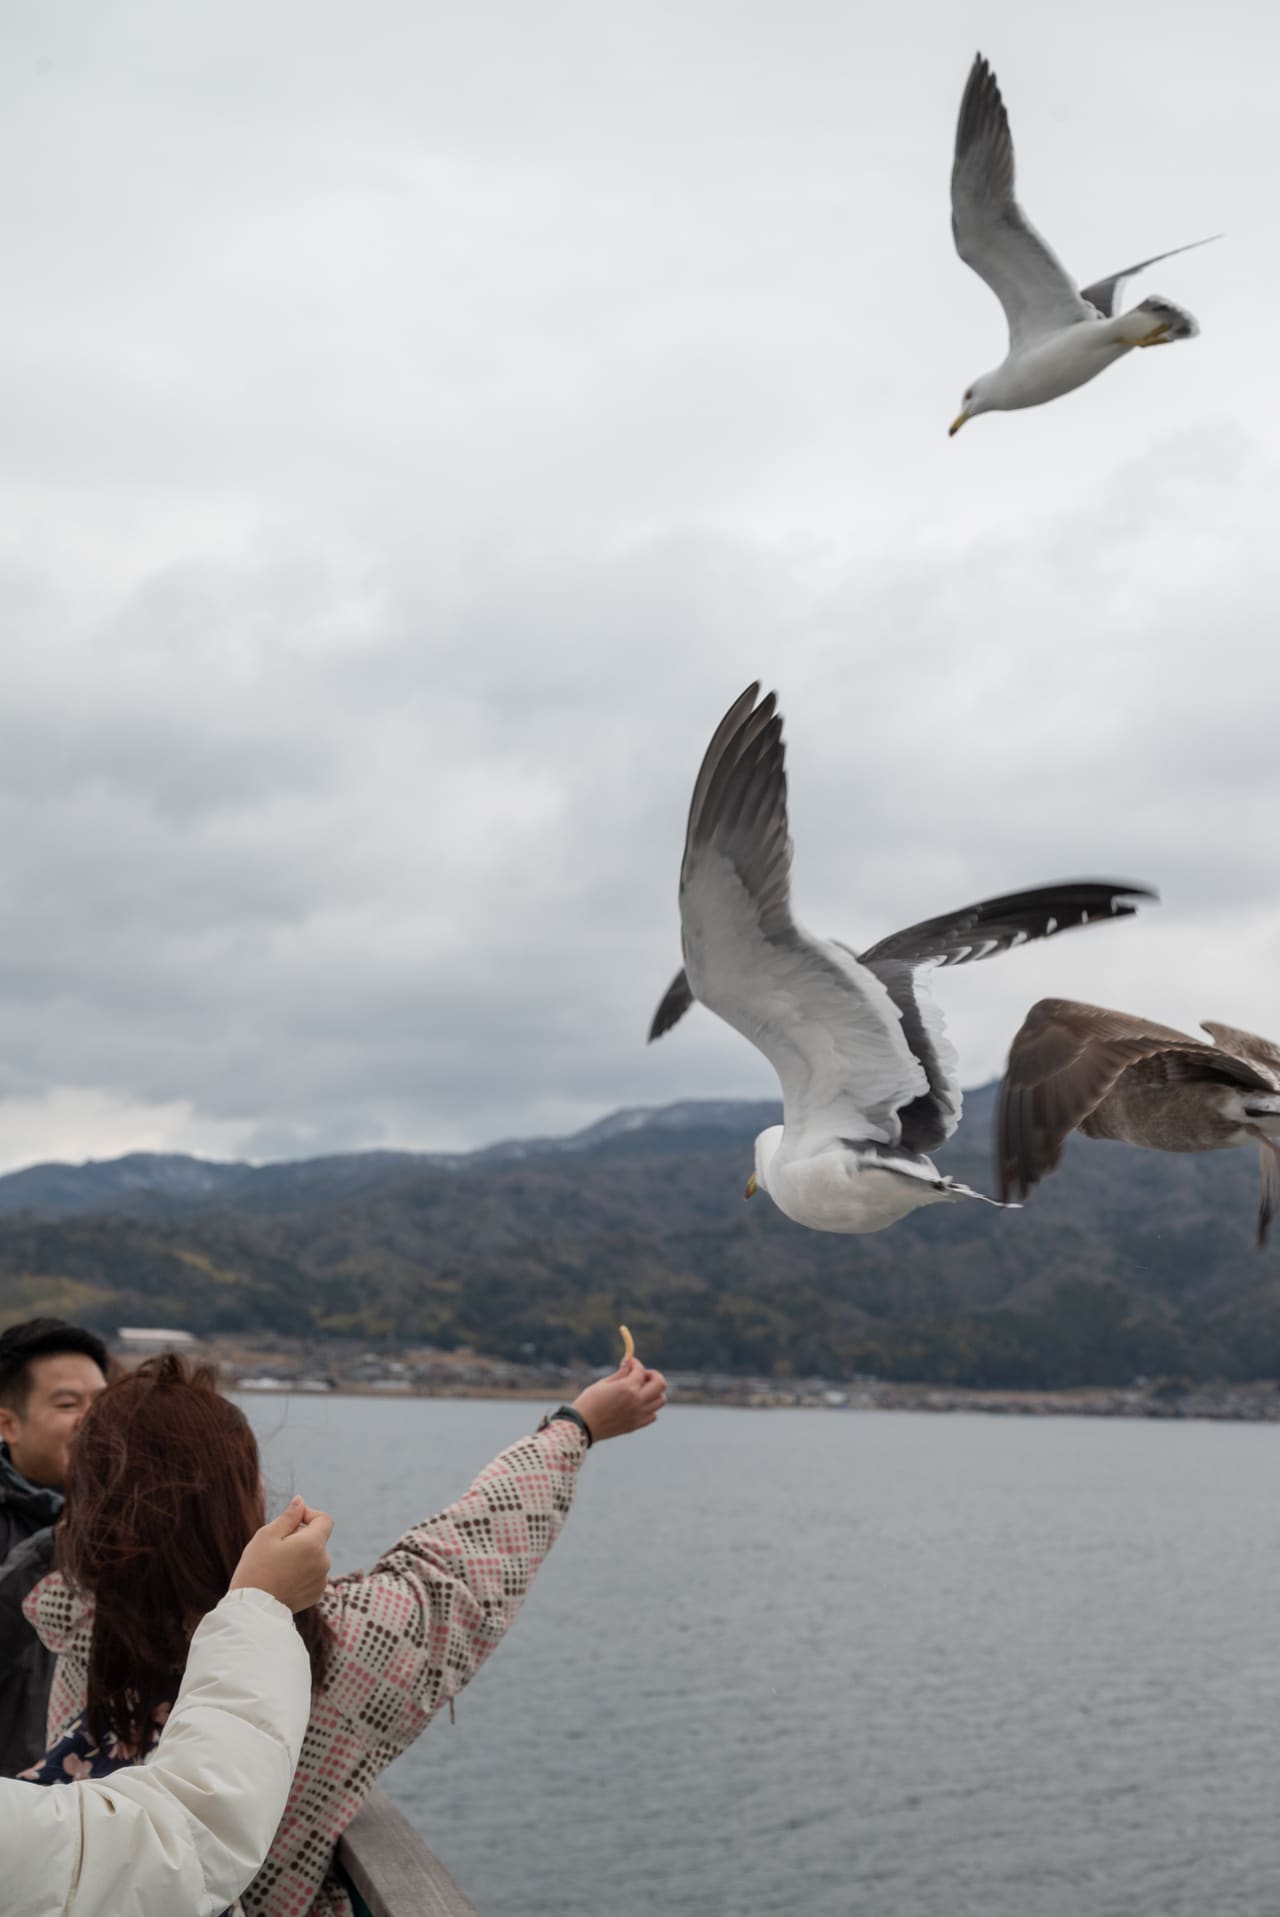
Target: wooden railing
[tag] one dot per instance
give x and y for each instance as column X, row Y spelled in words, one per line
column 389, row 1870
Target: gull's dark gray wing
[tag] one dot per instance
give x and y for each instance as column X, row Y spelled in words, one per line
column 954, row 938
column 678, row 996
column 1015, row 918
column 1105, row 294
column 992, row 233
column 929, row 1120
column 826, row 1024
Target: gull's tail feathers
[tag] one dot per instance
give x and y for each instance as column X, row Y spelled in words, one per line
column 952, row 1188
column 1157, row 322
column 899, row 1164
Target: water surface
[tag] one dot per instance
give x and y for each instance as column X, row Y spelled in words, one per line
column 823, row 1663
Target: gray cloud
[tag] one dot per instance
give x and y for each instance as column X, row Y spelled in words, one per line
column 420, row 427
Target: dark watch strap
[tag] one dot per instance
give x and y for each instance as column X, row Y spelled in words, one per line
column 574, row 1417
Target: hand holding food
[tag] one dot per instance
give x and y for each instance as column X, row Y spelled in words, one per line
column 631, row 1398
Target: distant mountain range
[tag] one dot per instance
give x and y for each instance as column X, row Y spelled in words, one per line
column 158, row 1181
column 1125, row 1263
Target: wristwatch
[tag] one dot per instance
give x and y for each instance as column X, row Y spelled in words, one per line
column 574, row 1417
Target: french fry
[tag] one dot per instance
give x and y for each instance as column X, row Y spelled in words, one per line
column 628, row 1344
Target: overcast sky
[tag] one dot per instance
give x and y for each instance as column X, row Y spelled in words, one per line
column 420, row 421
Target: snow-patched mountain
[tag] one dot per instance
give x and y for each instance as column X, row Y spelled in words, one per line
column 151, row 1182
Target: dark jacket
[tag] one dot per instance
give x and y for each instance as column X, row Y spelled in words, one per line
column 27, row 1513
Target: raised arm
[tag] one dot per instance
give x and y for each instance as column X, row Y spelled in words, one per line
column 414, row 1630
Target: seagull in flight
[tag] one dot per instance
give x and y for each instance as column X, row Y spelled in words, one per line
column 870, row 1082
column 1059, row 338
column 1076, row 1067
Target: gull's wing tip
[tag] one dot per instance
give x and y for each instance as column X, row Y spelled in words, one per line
column 675, row 1002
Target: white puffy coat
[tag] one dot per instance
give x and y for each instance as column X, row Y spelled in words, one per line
column 185, row 1832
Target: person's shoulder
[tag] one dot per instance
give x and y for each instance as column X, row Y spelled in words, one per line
column 30, row 1560
column 34, row 1547
column 15, row 1526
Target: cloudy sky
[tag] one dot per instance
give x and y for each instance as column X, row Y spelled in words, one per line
column 422, row 420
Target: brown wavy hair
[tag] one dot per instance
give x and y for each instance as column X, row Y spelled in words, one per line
column 163, row 1493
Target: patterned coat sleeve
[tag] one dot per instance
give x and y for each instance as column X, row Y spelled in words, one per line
column 410, row 1633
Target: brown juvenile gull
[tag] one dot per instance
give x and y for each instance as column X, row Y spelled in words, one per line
column 1059, row 338
column 1081, row 1068
column 870, row 1083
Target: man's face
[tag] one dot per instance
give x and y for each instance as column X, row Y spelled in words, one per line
column 39, row 1434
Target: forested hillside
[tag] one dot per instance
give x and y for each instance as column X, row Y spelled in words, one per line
column 1125, row 1263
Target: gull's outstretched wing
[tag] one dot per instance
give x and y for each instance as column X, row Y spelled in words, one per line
column 1063, row 1061
column 1015, row 918
column 1255, row 1051
column 1106, row 294
column 992, row 233
column 956, row 938
column 826, row 1024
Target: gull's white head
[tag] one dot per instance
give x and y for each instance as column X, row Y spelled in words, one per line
column 766, row 1149
column 979, row 398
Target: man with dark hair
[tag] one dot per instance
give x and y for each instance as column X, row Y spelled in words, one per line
column 50, row 1373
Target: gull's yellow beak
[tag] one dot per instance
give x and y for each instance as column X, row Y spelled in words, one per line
column 955, row 425
column 752, row 1187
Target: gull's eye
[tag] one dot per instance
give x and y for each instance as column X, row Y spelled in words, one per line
column 968, row 396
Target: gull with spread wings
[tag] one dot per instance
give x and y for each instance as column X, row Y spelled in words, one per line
column 1059, row 337
column 1082, row 1068
column 870, row 1082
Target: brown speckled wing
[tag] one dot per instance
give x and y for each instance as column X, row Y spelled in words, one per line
column 1062, row 1063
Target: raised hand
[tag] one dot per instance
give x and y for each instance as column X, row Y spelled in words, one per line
column 289, row 1558
column 631, row 1398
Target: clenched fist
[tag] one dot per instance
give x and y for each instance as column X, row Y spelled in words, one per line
column 632, row 1397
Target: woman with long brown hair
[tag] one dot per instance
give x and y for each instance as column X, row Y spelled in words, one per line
column 164, row 1491
column 157, row 1840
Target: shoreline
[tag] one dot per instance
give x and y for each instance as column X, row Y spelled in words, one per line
column 302, row 1368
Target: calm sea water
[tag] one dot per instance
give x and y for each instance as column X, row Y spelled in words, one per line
column 823, row 1663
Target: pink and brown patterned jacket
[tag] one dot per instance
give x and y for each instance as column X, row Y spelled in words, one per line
column 404, row 1639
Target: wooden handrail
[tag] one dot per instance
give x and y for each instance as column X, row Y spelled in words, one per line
column 390, row 1871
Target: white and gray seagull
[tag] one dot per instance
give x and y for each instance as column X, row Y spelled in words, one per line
column 869, row 1081
column 1059, row 337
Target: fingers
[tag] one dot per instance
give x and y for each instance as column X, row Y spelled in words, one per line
column 650, row 1390
column 299, row 1515
column 293, row 1515
column 321, row 1524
